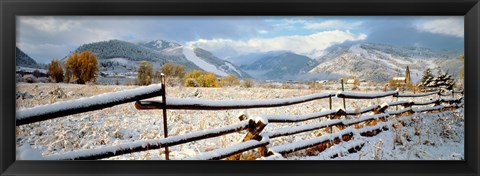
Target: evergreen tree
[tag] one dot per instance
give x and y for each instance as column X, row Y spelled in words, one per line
column 426, row 78
column 443, row 81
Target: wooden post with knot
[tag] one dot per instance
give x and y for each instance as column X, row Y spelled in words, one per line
column 253, row 133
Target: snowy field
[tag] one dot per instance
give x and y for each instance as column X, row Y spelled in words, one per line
column 427, row 137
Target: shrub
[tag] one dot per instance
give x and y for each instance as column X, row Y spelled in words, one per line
column 174, row 74
column 190, row 82
column 230, row 80
column 37, row 73
column 81, row 68
column 144, row 73
column 247, row 83
column 203, row 79
column 29, row 79
column 55, row 71
column 173, row 70
column 209, row 80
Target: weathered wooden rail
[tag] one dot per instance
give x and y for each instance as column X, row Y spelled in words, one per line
column 65, row 108
column 255, row 138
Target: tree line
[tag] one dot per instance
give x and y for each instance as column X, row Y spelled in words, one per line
column 175, row 75
column 83, row 67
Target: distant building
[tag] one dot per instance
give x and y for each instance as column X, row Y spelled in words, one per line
column 322, row 81
column 401, row 81
column 352, row 81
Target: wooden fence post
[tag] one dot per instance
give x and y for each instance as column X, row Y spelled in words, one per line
column 396, row 106
column 164, row 108
column 253, row 133
column 330, row 103
column 453, row 92
column 344, row 105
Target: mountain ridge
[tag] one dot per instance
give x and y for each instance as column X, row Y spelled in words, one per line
column 388, row 61
column 122, row 56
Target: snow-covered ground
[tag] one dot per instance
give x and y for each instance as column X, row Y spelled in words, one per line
column 428, row 136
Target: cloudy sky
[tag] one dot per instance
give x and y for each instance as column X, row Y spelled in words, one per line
column 44, row 38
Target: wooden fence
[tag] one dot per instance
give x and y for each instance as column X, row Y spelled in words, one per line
column 256, row 137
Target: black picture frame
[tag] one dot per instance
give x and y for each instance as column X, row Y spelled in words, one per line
column 10, row 8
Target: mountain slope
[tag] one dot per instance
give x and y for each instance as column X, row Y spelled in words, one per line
column 205, row 60
column 23, row 60
column 250, row 58
column 121, row 56
column 159, row 44
column 379, row 62
column 280, row 66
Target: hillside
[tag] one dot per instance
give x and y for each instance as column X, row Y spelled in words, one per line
column 159, row 44
column 221, row 65
column 205, row 60
column 23, row 60
column 379, row 62
column 122, row 56
column 279, row 65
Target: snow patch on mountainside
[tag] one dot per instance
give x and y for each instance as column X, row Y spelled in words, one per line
column 191, row 56
column 233, row 68
column 378, row 62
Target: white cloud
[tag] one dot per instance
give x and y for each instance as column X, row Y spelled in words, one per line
column 332, row 24
column 262, row 32
column 288, row 23
column 310, row 45
column 49, row 24
column 453, row 26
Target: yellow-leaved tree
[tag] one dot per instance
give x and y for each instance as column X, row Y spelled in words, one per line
column 145, row 73
column 174, row 73
column 462, row 70
column 55, row 71
column 81, row 68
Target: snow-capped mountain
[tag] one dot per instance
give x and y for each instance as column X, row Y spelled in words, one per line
column 205, row 60
column 279, row 65
column 159, row 44
column 122, row 56
column 378, row 62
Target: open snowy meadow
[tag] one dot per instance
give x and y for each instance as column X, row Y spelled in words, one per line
column 425, row 136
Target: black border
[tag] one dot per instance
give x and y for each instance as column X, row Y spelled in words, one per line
column 10, row 8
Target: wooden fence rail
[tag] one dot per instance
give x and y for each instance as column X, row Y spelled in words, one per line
column 65, row 108
column 199, row 104
column 110, row 151
column 255, row 137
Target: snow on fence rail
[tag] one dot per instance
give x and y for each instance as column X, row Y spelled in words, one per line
column 137, row 146
column 355, row 95
column 417, row 95
column 200, row 104
column 347, row 133
column 254, row 138
column 231, row 150
column 64, row 108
